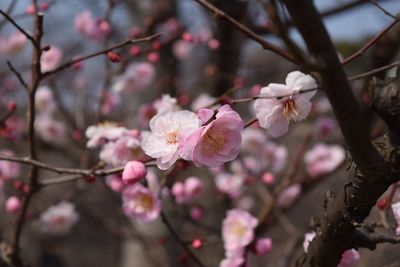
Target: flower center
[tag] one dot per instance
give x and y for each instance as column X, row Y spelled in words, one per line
column 172, row 138
column 237, row 229
column 289, row 109
column 215, row 140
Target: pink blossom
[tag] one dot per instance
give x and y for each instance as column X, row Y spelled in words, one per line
column 275, row 112
column 13, row 204
column 396, row 212
column 137, row 77
column 13, row 43
column 188, row 190
column 230, row 184
column 323, row 159
column 115, row 183
column 202, row 101
column 216, row 143
column 196, row 213
column 44, row 99
column 8, row 169
column 145, row 113
column 102, row 133
column 256, row 145
column 288, row 196
column 13, row 129
column 308, row 237
column 126, row 147
column 88, row 26
column 166, row 104
column 59, row 219
column 238, row 229
column 268, row 178
column 325, row 125
column 263, row 246
column 50, row 129
column 140, row 203
column 234, row 261
column 109, row 102
column 182, row 49
column 51, row 58
column 349, row 258
column 162, row 142
column 134, row 171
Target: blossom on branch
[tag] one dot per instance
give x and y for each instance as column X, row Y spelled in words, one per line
column 280, row 104
column 140, row 203
column 215, row 143
column 59, row 219
column 162, row 140
column 323, row 159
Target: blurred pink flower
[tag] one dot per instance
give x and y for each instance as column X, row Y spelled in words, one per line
column 13, row 204
column 216, row 143
column 87, row 25
column 14, row 128
column 396, row 212
column 162, row 142
column 134, row 171
column 51, row 58
column 59, row 219
column 289, row 195
column 12, row 44
column 8, row 169
column 140, row 203
column 109, row 102
column 166, row 104
column 323, row 159
column 182, row 49
column 50, row 129
column 234, row 261
column 188, row 190
column 115, row 182
column 202, row 101
column 349, row 258
column 275, row 113
column 230, row 184
column 256, row 145
column 238, row 229
column 308, row 237
column 103, row 132
column 137, row 77
column 44, row 99
column 124, row 148
column 145, row 113
column 325, row 125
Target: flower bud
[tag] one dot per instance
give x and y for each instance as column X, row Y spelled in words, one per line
column 262, row 246
column 114, row 56
column 133, row 172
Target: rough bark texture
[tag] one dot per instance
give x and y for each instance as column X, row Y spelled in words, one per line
column 345, row 212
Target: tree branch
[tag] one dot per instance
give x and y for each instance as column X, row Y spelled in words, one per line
column 219, row 14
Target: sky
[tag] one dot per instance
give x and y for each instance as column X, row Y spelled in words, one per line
column 358, row 22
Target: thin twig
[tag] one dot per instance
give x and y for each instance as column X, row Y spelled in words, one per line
column 219, row 14
column 62, row 170
column 12, row 21
column 179, row 240
column 387, row 13
column 374, row 71
column 363, row 49
column 17, row 74
column 101, row 52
